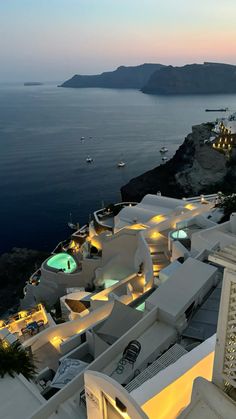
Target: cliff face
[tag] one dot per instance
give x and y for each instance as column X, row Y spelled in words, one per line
column 122, row 78
column 195, row 168
column 204, row 78
column 15, row 268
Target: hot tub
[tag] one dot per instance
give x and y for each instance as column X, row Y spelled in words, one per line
column 63, row 262
column 178, row 234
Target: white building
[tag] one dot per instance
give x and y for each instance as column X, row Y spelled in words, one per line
column 157, row 276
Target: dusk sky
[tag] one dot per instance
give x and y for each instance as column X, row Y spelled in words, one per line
column 54, row 39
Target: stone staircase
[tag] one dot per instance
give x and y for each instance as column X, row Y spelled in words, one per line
column 160, row 258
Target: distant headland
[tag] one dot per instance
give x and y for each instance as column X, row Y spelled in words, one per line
column 207, row 78
column 122, row 78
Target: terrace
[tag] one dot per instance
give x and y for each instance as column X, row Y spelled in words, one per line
column 131, row 290
column 24, row 324
column 83, row 347
column 104, row 218
column 226, row 140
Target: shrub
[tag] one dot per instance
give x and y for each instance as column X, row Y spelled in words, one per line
column 15, row 360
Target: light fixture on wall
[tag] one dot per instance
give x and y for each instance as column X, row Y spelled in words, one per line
column 140, row 271
column 120, row 405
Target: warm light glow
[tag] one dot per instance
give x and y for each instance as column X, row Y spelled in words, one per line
column 156, row 268
column 172, row 399
column 158, row 218
column 137, row 227
column 5, row 344
column 74, row 246
column 23, row 314
column 56, row 341
column 96, row 243
column 2, row 323
column 99, row 297
column 190, row 207
column 155, row 235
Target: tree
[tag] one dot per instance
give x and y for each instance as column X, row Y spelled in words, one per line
column 15, row 360
column 228, row 204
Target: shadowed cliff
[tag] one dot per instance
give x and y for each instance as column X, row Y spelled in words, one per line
column 121, row 78
column 207, row 78
column 194, row 169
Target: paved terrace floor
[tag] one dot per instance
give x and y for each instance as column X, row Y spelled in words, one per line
column 47, row 356
column 158, row 335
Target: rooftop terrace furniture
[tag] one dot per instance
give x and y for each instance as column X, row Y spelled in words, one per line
column 33, row 327
column 40, row 323
column 25, row 331
column 82, row 398
column 67, row 370
column 132, row 351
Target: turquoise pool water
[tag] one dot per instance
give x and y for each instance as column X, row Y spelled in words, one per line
column 62, row 261
column 179, row 234
column 141, row 307
column 109, row 282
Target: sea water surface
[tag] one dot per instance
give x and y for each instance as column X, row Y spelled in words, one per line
column 43, row 171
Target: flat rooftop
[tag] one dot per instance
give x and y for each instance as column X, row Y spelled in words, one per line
column 182, row 286
column 203, row 324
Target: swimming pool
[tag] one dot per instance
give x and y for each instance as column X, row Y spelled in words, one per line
column 179, row 234
column 62, row 261
column 109, row 282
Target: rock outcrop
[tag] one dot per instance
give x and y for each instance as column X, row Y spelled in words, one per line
column 207, row 78
column 16, row 268
column 194, row 169
column 122, row 78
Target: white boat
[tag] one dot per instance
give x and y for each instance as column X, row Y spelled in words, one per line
column 73, row 226
column 121, row 164
column 164, row 158
column 163, row 150
column 89, row 159
column 82, row 139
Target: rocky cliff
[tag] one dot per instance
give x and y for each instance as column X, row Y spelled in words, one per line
column 122, row 78
column 194, row 169
column 15, row 268
column 207, row 78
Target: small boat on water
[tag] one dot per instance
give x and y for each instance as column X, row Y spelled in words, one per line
column 163, row 149
column 164, row 158
column 217, row 110
column 89, row 159
column 82, row 139
column 121, row 164
column 73, row 226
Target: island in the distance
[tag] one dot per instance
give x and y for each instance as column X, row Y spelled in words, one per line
column 207, row 78
column 122, row 78
column 33, row 83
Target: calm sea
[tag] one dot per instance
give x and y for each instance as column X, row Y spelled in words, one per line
column 43, row 171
